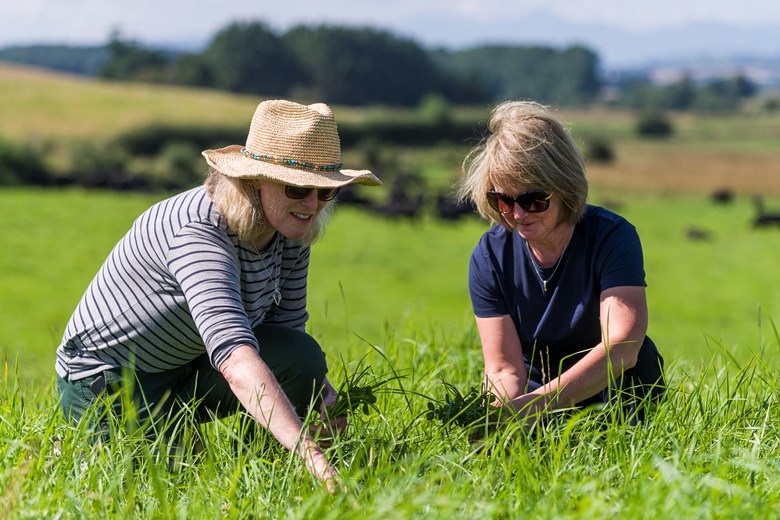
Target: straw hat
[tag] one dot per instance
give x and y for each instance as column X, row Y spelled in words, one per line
column 291, row 144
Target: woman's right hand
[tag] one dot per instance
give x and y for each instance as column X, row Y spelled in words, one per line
column 319, row 466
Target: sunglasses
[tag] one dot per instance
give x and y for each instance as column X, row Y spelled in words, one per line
column 534, row 201
column 323, row 194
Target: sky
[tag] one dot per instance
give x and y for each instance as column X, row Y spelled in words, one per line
column 608, row 24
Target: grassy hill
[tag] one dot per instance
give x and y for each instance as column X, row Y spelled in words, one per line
column 710, row 450
column 706, row 153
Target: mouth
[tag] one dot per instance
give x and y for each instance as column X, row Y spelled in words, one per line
column 301, row 216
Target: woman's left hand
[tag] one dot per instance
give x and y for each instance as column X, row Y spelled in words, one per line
column 528, row 407
column 330, row 425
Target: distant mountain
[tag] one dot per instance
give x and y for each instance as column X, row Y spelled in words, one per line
column 700, row 51
column 65, row 58
column 617, row 48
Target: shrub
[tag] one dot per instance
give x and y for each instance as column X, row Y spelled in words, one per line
column 21, row 164
column 179, row 166
column 599, row 149
column 771, row 105
column 436, row 109
column 654, row 124
column 102, row 166
column 150, row 140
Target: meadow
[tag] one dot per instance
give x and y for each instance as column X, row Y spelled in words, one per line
column 391, row 295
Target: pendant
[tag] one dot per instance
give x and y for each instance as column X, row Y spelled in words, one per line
column 544, row 285
column 277, row 295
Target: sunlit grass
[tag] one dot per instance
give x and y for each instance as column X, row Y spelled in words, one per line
column 392, row 296
column 45, row 106
column 710, row 449
column 370, row 276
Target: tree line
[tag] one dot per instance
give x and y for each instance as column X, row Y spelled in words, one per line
column 361, row 66
column 364, row 66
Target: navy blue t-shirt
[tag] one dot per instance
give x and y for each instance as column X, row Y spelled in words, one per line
column 559, row 326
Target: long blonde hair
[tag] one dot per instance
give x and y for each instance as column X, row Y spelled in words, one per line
column 237, row 201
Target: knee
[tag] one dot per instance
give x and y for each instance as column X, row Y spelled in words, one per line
column 296, row 360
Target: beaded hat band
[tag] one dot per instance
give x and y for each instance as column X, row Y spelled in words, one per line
column 293, row 163
column 291, row 144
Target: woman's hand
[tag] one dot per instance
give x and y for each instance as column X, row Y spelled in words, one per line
column 259, row 392
column 330, row 425
column 528, row 407
column 318, row 465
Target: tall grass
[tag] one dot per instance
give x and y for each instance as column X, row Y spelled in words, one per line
column 392, row 296
column 710, row 450
column 371, row 277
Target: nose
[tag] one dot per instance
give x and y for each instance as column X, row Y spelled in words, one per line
column 310, row 200
column 517, row 211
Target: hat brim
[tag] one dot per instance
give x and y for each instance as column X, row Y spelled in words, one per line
column 231, row 162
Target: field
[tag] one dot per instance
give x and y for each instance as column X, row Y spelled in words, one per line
column 392, row 295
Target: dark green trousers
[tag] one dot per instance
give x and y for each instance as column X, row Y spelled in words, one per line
column 294, row 357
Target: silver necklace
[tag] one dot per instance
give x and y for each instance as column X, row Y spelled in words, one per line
column 277, row 296
column 538, row 270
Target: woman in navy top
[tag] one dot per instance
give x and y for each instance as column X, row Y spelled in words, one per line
column 557, row 285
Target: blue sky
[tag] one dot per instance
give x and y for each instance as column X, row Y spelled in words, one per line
column 449, row 23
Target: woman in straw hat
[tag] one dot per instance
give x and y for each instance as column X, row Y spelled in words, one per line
column 202, row 304
column 557, row 286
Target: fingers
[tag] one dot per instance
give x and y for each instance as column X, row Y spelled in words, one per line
column 329, row 395
column 319, row 467
column 331, row 425
column 325, row 431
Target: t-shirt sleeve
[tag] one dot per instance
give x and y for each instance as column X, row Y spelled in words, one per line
column 487, row 298
column 619, row 258
column 204, row 264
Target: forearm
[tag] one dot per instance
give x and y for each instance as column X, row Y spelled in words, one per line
column 257, row 389
column 506, row 383
column 586, row 378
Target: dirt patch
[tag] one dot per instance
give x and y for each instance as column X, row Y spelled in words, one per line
column 692, row 171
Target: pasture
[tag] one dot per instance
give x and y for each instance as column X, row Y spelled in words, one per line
column 391, row 295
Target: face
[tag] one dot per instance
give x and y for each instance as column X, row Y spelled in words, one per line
column 293, row 218
column 539, row 227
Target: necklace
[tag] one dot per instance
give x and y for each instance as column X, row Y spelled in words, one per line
column 277, row 296
column 538, row 271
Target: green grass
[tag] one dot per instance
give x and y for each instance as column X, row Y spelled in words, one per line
column 393, row 296
column 711, row 450
column 371, row 277
column 721, row 287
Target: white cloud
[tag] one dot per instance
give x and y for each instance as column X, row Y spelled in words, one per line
column 90, row 21
column 660, row 14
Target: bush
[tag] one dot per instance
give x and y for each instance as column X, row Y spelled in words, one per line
column 179, row 166
column 599, row 149
column 654, row 124
column 150, row 140
column 436, row 109
column 21, row 164
column 100, row 166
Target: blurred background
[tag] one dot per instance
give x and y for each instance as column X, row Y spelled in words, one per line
column 106, row 105
column 409, row 74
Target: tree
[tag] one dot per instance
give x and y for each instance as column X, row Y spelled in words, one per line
column 362, row 66
column 128, row 60
column 192, row 69
column 250, row 58
column 575, row 79
column 540, row 73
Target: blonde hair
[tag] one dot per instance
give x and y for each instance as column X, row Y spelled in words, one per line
column 527, row 148
column 237, row 201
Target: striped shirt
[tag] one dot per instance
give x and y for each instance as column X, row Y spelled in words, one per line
column 180, row 284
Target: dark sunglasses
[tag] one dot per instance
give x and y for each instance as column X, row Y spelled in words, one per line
column 534, row 201
column 323, row 194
